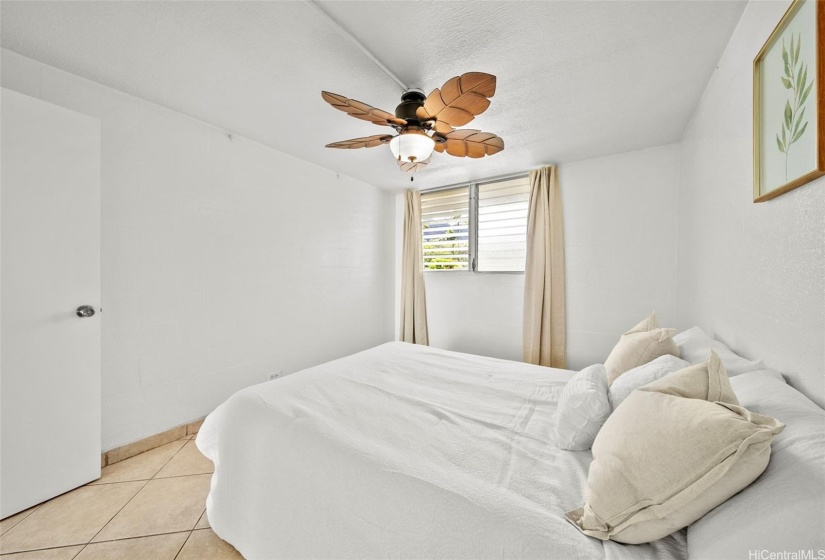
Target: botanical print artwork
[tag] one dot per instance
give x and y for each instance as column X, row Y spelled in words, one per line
column 787, row 150
column 794, row 79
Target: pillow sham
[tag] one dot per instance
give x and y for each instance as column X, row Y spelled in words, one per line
column 583, row 408
column 676, row 449
column 783, row 509
column 640, row 376
column 695, row 345
column 641, row 344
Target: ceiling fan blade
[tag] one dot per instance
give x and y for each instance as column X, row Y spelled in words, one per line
column 459, row 100
column 413, row 166
column 470, row 143
column 365, row 142
column 361, row 110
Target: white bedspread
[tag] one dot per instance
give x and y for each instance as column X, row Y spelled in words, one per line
column 402, row 451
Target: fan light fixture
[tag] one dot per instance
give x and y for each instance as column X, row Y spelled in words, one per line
column 412, row 145
column 425, row 124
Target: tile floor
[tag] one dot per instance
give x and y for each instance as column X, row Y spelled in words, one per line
column 149, row 506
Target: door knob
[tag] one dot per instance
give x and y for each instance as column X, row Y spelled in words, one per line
column 85, row 311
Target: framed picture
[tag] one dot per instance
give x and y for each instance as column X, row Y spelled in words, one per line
column 789, row 103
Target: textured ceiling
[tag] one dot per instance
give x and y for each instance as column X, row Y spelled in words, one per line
column 576, row 80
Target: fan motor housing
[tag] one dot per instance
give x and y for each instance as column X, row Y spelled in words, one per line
column 410, row 102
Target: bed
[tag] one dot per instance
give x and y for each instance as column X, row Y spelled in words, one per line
column 406, row 451
column 402, row 451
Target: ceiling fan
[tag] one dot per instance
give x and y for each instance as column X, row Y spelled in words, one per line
column 428, row 123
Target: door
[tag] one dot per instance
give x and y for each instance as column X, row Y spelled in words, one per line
column 49, row 267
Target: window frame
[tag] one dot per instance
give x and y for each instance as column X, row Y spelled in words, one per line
column 472, row 248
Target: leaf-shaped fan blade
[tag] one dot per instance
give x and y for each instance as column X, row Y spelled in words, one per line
column 459, row 100
column 471, row 143
column 365, row 142
column 361, row 110
column 413, row 166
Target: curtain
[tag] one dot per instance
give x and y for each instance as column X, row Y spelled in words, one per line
column 544, row 314
column 413, row 301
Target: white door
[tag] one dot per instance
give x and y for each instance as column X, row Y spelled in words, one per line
column 49, row 266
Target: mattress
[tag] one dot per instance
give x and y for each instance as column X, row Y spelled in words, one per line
column 403, row 451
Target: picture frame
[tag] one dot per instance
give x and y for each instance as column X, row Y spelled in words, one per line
column 789, row 103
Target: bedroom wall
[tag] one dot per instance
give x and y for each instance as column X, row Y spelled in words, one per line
column 222, row 260
column 620, row 247
column 751, row 274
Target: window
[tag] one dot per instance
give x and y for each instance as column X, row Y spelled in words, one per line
column 445, row 223
column 502, row 225
column 480, row 227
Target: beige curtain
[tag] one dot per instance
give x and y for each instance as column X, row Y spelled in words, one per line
column 544, row 318
column 413, row 301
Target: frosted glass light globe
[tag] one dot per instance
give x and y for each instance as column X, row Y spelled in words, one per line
column 412, row 145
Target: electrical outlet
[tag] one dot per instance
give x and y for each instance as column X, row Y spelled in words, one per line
column 274, row 375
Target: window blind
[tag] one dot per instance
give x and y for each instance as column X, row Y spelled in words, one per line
column 445, row 223
column 502, row 224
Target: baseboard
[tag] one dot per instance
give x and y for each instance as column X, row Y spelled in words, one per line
column 137, row 447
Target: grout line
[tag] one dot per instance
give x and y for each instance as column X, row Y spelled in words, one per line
column 28, row 550
column 155, row 477
column 33, row 509
column 145, row 483
column 186, row 435
column 119, row 482
column 85, row 545
column 118, row 511
column 139, row 537
column 133, row 497
column 199, row 519
column 96, row 483
column 181, row 475
column 55, row 498
column 184, row 543
column 190, row 534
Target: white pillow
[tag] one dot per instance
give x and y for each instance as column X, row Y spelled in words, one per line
column 638, row 346
column 784, row 509
column 640, row 376
column 695, row 346
column 676, row 449
column 583, row 408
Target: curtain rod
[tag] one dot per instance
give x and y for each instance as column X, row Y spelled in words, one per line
column 351, row 38
column 478, row 181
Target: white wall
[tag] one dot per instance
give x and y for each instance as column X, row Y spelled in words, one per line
column 222, row 259
column 752, row 274
column 620, row 236
column 479, row 313
column 620, row 241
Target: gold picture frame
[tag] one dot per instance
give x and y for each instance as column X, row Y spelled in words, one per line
column 782, row 71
